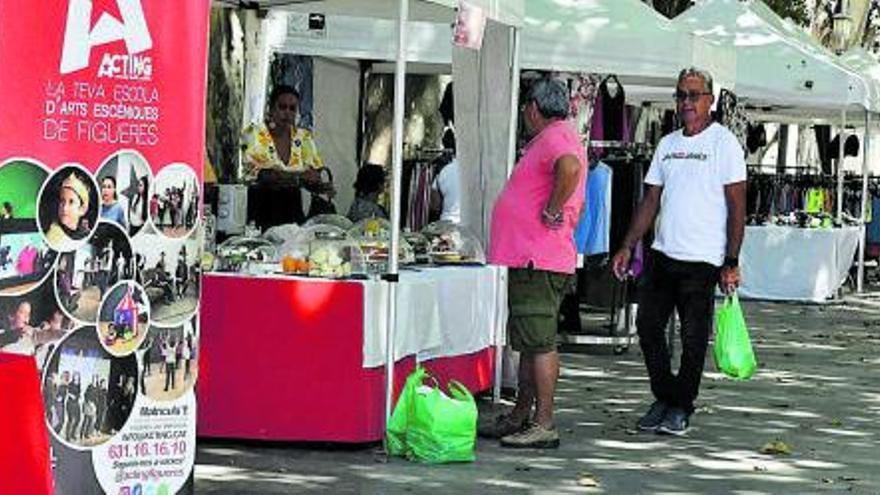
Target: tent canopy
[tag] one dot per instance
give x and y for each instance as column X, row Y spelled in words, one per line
column 366, row 29
column 778, row 65
column 622, row 37
column 859, row 60
column 509, row 12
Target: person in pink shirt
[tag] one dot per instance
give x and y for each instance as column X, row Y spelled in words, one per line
column 532, row 231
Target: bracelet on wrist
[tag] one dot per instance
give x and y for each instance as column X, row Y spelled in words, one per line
column 731, row 262
column 552, row 217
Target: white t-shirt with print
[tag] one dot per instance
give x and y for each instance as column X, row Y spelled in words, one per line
column 693, row 171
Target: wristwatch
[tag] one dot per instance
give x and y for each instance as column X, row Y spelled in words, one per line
column 730, row 262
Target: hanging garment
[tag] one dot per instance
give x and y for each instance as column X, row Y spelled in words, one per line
column 872, row 231
column 732, row 116
column 609, row 115
column 815, row 200
column 582, row 102
column 592, row 235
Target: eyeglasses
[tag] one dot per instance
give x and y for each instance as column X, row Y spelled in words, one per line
column 681, row 96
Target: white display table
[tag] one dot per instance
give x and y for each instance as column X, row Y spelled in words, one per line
column 794, row 264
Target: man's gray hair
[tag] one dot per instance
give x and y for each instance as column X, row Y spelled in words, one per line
column 551, row 97
column 702, row 74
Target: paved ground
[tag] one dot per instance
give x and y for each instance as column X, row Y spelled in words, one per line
column 817, row 391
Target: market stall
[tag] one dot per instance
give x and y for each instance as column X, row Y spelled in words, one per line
column 309, row 366
column 860, row 60
column 340, row 331
column 808, row 86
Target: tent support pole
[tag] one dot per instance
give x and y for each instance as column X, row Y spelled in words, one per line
column 840, row 160
column 501, row 276
column 396, row 170
column 860, row 281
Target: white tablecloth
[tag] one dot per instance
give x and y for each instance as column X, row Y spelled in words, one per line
column 794, row 264
column 441, row 312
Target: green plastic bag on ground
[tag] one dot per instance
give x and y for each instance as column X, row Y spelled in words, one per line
column 429, row 426
column 397, row 424
column 733, row 349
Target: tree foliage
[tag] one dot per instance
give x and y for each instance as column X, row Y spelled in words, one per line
column 795, row 9
column 816, row 15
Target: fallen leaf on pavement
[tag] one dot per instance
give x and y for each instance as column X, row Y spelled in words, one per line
column 761, row 469
column 827, row 480
column 836, row 422
column 848, row 478
column 776, row 447
column 588, row 480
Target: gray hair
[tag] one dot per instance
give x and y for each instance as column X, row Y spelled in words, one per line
column 708, row 83
column 551, row 97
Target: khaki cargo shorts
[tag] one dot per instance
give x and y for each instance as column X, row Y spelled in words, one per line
column 534, row 297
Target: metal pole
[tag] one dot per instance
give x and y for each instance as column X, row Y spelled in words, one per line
column 842, row 137
column 501, row 275
column 396, row 172
column 860, row 280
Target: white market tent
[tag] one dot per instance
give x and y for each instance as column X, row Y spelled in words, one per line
column 778, row 66
column 398, row 30
column 859, row 60
column 622, row 37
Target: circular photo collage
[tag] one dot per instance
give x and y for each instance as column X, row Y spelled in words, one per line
column 100, row 280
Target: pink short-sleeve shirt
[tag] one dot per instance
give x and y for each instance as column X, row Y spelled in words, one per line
column 518, row 238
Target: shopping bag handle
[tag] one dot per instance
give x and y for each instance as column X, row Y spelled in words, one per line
column 459, row 391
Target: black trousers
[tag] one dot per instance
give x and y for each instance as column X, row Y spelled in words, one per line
column 689, row 288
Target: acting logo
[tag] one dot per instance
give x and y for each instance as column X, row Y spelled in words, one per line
column 80, row 36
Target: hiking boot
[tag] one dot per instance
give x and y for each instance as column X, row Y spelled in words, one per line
column 501, row 427
column 675, row 422
column 652, row 419
column 535, row 437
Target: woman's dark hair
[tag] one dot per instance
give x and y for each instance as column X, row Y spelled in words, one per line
column 282, row 89
column 144, row 199
column 447, row 105
column 112, row 181
column 370, row 179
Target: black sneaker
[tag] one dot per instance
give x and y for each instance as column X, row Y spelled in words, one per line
column 675, row 422
column 652, row 419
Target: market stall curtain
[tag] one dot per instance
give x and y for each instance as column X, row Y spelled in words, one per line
column 482, row 115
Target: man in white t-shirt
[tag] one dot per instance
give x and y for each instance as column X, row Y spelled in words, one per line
column 697, row 182
column 448, row 185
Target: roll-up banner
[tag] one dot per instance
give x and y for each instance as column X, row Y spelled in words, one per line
column 101, row 156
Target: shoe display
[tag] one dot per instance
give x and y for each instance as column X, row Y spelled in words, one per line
column 652, row 419
column 675, row 422
column 534, row 437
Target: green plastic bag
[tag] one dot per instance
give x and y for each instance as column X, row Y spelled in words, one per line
column 397, row 424
column 733, row 349
column 429, row 426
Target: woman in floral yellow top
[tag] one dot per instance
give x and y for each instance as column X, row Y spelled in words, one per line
column 282, row 146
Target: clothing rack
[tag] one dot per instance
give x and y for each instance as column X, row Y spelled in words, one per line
column 419, row 171
column 771, row 195
column 621, row 156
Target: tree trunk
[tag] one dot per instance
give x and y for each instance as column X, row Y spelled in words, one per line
column 225, row 90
